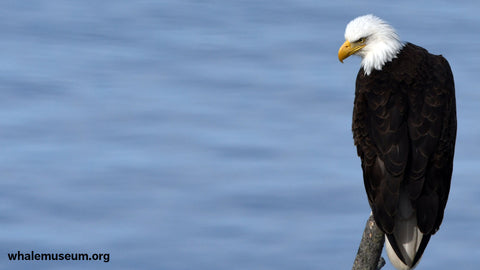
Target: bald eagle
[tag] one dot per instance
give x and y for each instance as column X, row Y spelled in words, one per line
column 404, row 128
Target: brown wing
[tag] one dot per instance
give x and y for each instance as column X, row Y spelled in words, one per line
column 432, row 128
column 381, row 135
column 404, row 128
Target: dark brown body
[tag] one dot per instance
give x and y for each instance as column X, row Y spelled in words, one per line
column 404, row 126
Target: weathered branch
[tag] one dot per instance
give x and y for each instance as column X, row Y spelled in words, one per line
column 368, row 255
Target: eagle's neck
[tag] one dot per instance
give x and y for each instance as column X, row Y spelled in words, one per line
column 380, row 51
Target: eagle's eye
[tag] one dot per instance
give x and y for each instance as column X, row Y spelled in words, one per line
column 361, row 40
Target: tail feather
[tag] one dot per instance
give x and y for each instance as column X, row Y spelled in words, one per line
column 421, row 248
column 405, row 246
column 398, row 254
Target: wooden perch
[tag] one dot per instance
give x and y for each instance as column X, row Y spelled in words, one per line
column 371, row 246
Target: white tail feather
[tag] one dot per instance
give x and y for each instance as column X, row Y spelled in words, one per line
column 407, row 235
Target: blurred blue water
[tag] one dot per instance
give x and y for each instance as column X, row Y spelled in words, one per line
column 207, row 134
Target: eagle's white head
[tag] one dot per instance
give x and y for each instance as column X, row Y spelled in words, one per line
column 373, row 39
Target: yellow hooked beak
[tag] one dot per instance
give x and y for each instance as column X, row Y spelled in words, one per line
column 348, row 49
